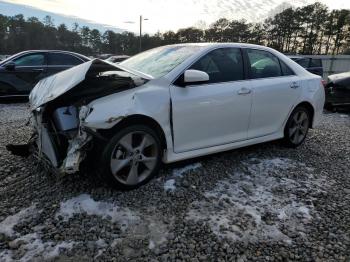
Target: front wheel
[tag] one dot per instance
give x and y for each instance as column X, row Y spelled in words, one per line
column 297, row 127
column 132, row 157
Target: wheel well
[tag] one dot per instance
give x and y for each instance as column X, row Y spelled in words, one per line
column 137, row 120
column 309, row 108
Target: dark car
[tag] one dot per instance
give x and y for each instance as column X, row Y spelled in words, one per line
column 313, row 65
column 20, row 72
column 338, row 91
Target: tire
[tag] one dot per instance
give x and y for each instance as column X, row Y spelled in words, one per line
column 131, row 158
column 297, row 127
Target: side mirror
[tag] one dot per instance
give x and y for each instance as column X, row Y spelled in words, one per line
column 10, row 66
column 195, row 76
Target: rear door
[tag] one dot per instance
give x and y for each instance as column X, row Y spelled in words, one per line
column 216, row 112
column 275, row 90
column 58, row 62
column 28, row 70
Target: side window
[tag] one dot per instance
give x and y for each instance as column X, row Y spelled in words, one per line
column 304, row 62
column 263, row 64
column 30, row 60
column 286, row 71
column 222, row 65
column 315, row 63
column 63, row 59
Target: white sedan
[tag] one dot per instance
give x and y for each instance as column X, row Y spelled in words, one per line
column 168, row 104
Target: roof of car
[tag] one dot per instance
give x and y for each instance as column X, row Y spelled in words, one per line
column 232, row 44
column 55, row 51
column 208, row 44
column 301, row 56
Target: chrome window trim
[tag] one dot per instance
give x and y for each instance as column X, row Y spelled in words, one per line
column 243, row 80
column 46, row 53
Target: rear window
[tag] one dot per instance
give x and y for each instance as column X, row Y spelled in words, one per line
column 304, row 62
column 315, row 63
column 63, row 59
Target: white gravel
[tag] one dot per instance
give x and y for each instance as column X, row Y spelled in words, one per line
column 262, row 203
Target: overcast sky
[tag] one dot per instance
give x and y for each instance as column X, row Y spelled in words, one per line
column 165, row 14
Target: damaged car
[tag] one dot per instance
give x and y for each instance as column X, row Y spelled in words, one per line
column 169, row 104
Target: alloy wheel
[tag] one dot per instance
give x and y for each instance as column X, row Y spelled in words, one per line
column 298, row 127
column 134, row 158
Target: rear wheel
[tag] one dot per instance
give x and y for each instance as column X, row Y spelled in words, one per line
column 297, row 127
column 132, row 157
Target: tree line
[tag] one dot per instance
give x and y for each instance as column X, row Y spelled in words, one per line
column 312, row 29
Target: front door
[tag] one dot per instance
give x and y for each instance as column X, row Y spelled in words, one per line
column 216, row 112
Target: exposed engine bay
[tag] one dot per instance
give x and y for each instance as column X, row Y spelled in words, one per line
column 59, row 138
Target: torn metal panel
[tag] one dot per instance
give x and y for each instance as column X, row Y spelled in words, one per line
column 47, row 146
column 113, row 119
column 76, row 153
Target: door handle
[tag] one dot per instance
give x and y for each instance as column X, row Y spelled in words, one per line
column 244, row 91
column 38, row 69
column 294, row 85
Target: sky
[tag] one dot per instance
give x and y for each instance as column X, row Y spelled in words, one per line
column 164, row 15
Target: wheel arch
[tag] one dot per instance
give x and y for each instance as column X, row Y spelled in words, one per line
column 310, row 109
column 137, row 119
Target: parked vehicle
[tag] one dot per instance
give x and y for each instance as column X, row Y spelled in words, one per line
column 313, row 65
column 168, row 104
column 338, row 91
column 117, row 58
column 20, row 72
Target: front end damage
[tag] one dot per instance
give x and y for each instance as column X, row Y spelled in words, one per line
column 59, row 141
column 59, row 106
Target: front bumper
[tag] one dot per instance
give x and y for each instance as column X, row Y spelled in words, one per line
column 49, row 151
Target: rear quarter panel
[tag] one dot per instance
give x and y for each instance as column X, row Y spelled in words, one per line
column 314, row 93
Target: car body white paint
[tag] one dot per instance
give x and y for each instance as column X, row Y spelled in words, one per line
column 208, row 120
column 197, row 119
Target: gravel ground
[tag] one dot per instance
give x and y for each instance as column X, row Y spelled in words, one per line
column 262, row 203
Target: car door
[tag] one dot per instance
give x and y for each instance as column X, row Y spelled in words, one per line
column 275, row 89
column 21, row 74
column 215, row 112
column 58, row 61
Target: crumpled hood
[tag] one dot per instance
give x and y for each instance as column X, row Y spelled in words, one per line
column 56, row 85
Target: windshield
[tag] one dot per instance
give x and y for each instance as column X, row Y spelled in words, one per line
column 159, row 61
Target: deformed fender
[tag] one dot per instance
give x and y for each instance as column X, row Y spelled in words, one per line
column 150, row 101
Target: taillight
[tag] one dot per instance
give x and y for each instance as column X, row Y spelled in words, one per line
column 324, row 82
